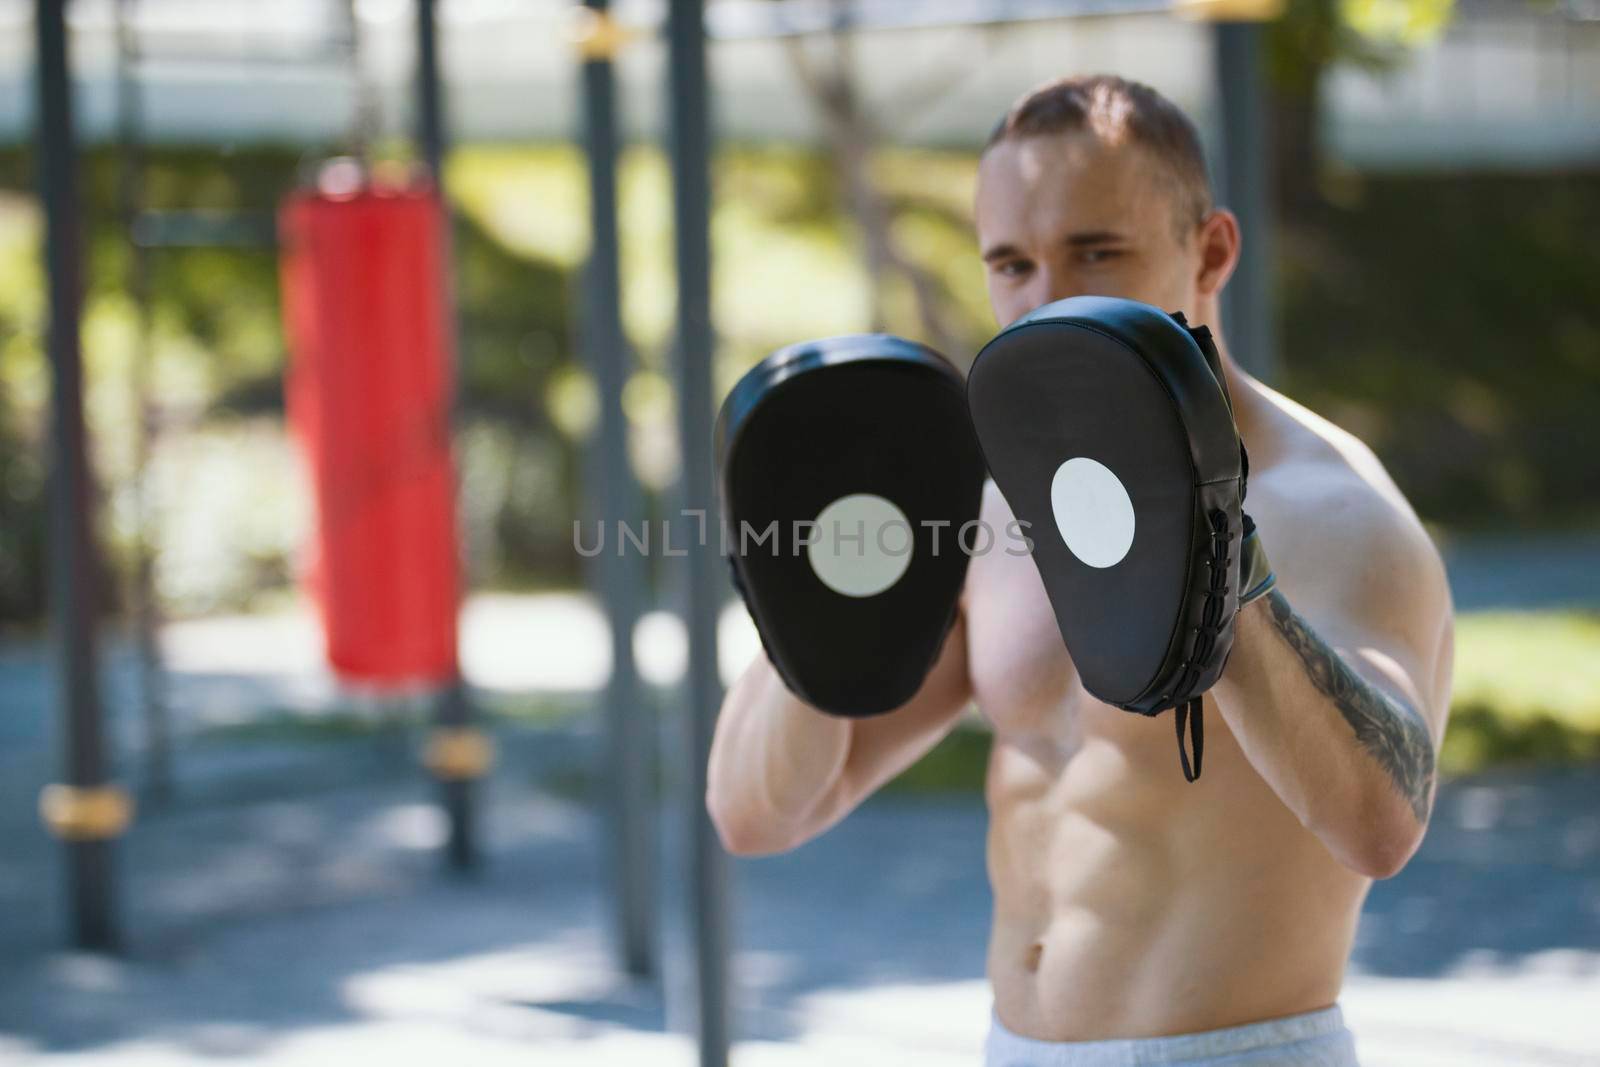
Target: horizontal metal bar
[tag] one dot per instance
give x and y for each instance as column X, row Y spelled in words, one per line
column 330, row 56
column 758, row 19
column 205, row 229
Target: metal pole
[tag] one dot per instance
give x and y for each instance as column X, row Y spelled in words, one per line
column 691, row 180
column 430, row 104
column 620, row 576
column 146, row 615
column 453, row 713
column 1247, row 301
column 73, row 564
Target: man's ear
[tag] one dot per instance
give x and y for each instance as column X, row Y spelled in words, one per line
column 1218, row 242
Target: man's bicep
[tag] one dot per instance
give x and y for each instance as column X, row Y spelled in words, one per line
column 1388, row 616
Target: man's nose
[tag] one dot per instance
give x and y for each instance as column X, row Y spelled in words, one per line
column 1060, row 284
column 1047, row 286
column 1036, row 293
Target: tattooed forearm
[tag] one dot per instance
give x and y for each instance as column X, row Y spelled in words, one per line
column 1392, row 734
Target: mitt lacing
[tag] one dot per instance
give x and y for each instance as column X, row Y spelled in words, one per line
column 1191, row 712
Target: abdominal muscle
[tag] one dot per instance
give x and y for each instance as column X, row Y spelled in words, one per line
column 1130, row 903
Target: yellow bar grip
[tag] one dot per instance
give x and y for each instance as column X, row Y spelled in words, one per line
column 79, row 813
column 458, row 752
column 597, row 35
column 1229, row 10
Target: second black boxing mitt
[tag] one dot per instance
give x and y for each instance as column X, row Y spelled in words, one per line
column 848, row 469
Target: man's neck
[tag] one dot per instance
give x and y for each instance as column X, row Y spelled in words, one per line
column 1243, row 388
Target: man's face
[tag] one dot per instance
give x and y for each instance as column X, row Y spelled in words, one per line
column 1064, row 215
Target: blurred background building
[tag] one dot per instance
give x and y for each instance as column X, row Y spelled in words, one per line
column 1485, row 83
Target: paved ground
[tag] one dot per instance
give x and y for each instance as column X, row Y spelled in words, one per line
column 287, row 908
column 282, row 918
column 1525, row 571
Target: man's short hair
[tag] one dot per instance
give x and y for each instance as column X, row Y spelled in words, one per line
column 1116, row 111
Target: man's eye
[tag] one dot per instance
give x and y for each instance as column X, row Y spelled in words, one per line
column 1092, row 256
column 1014, row 268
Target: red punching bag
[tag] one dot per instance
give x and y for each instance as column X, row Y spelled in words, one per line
column 369, row 392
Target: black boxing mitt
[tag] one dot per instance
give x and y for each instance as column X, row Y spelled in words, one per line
column 848, row 469
column 1107, row 426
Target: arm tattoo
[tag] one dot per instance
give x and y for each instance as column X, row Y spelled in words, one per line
column 1392, row 733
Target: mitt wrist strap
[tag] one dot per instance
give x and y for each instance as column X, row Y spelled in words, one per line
column 1256, row 577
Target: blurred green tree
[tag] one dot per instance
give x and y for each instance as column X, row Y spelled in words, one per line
column 1302, row 45
column 217, row 360
column 22, row 521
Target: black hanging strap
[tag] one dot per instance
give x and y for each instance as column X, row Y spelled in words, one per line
column 1191, row 713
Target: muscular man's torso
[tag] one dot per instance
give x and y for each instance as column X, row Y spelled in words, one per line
column 1129, row 902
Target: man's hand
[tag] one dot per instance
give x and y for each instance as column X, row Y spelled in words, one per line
column 782, row 772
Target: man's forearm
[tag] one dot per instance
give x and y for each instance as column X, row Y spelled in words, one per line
column 1355, row 764
column 1393, row 734
column 772, row 761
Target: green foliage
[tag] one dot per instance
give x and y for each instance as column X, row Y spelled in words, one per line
column 1312, row 35
column 516, row 327
column 23, row 510
column 957, row 764
column 22, row 522
column 1454, row 324
column 1527, row 689
column 1309, row 38
column 1480, row 736
column 1405, row 23
column 1302, row 43
column 216, row 359
column 1525, row 664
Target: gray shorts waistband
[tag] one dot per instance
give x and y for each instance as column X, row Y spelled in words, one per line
column 1310, row 1039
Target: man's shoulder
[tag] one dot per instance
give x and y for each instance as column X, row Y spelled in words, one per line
column 1351, row 555
column 1331, row 491
column 1315, row 463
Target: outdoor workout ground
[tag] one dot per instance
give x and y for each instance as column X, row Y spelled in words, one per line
column 288, row 907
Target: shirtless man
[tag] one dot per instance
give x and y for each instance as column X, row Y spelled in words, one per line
column 1131, row 906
